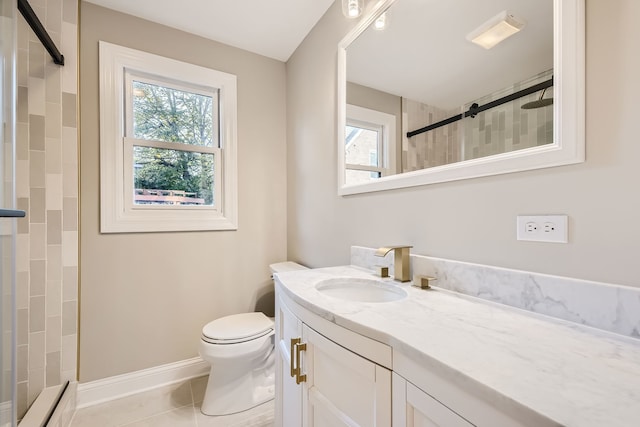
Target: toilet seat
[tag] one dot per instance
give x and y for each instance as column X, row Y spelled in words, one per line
column 237, row 328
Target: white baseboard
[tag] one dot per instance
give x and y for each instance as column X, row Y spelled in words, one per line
column 104, row 390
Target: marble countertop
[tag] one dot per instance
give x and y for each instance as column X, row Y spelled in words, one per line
column 567, row 373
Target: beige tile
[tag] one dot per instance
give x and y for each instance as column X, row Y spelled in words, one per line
column 69, row 375
column 22, row 373
column 22, row 252
column 37, row 316
column 70, row 178
column 260, row 416
column 68, row 109
column 69, row 352
column 134, row 408
column 69, row 44
column 70, row 11
column 53, row 151
column 22, row 401
column 22, row 291
column 198, row 387
column 70, row 214
column 55, row 36
column 38, row 277
column 36, row 169
column 53, row 122
column 69, row 248
column 54, row 192
column 37, row 208
column 36, row 383
column 23, row 223
column 53, row 80
column 54, row 228
column 22, row 179
column 22, row 324
column 39, row 6
column 23, row 34
column 54, row 262
column 36, row 132
column 70, row 144
column 6, row 9
column 181, row 417
column 36, row 352
column 22, row 113
column 54, row 335
column 22, row 69
column 69, row 317
column 52, row 369
column 70, row 284
column 54, row 15
column 54, row 298
column 22, row 141
column 36, row 96
column 36, row 59
column 37, row 242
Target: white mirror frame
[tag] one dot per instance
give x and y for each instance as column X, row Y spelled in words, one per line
column 568, row 111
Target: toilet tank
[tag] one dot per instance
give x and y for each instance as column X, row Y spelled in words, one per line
column 265, row 301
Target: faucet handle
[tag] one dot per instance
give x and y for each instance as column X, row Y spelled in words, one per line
column 423, row 282
column 382, row 271
column 386, row 249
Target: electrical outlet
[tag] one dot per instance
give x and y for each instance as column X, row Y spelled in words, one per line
column 543, row 228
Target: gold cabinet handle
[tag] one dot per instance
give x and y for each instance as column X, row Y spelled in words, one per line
column 300, row 347
column 294, row 341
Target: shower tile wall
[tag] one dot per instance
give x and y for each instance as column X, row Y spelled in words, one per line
column 501, row 129
column 47, row 188
column 434, row 148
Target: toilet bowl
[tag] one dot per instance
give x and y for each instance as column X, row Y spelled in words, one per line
column 240, row 349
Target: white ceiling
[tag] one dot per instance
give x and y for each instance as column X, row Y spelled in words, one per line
column 272, row 28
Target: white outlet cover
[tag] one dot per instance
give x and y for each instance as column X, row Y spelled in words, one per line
column 543, row 228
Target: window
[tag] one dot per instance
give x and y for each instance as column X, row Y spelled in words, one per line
column 369, row 145
column 167, row 144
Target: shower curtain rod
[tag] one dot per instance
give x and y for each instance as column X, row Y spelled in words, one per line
column 32, row 19
column 475, row 108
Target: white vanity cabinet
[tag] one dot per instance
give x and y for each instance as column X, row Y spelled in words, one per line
column 413, row 407
column 320, row 383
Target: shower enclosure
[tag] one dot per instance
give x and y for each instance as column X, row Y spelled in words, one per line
column 7, row 214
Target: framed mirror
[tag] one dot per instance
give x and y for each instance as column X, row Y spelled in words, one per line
column 424, row 99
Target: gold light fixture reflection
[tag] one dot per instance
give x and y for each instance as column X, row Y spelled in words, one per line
column 495, row 30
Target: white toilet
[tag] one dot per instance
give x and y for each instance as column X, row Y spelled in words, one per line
column 240, row 349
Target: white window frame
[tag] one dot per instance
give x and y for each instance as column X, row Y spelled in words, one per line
column 385, row 125
column 118, row 213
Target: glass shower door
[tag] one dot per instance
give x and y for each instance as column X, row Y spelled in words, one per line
column 7, row 214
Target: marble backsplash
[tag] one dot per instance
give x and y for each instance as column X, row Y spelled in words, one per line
column 609, row 307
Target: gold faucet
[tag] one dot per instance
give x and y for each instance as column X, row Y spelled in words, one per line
column 400, row 261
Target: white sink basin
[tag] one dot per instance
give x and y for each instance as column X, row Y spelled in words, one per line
column 360, row 290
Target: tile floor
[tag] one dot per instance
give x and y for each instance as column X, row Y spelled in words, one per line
column 177, row 405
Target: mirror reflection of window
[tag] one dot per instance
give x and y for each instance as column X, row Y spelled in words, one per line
column 362, row 145
column 369, row 144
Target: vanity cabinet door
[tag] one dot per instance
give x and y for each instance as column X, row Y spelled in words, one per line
column 413, row 407
column 288, row 399
column 341, row 387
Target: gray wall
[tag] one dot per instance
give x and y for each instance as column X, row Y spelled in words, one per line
column 474, row 220
column 145, row 297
